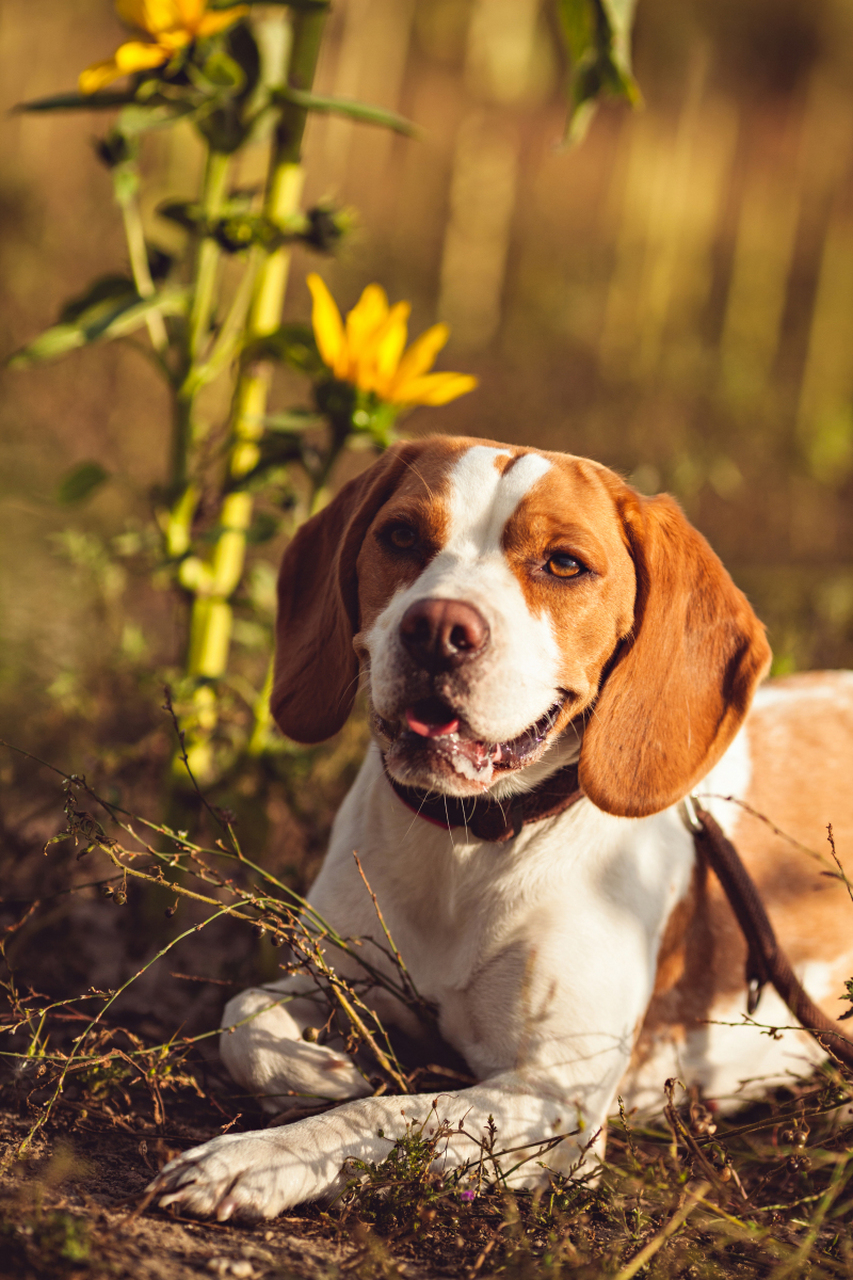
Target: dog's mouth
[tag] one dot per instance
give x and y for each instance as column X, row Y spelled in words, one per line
column 433, row 738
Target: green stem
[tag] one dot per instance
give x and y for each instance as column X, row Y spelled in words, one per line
column 214, row 192
column 226, row 345
column 212, row 619
column 177, row 524
column 261, row 715
column 138, row 255
column 186, row 430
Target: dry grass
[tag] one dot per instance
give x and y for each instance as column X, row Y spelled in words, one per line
column 99, row 1093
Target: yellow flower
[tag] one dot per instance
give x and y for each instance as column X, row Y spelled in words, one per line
column 368, row 350
column 173, row 24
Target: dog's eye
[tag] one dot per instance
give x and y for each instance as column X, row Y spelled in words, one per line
column 561, row 565
column 401, row 536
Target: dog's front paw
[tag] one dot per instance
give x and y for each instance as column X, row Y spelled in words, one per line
column 244, row 1175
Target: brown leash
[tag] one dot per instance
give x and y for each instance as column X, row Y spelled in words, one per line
column 766, row 961
column 499, row 822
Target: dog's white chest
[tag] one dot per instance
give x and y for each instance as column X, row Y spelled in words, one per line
column 513, row 943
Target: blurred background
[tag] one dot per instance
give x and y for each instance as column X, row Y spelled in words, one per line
column 673, row 297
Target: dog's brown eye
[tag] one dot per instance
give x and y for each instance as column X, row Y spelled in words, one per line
column 562, row 565
column 402, row 536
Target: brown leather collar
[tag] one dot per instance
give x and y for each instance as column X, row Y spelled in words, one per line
column 493, row 820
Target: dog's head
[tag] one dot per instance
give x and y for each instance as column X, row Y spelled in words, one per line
column 506, row 604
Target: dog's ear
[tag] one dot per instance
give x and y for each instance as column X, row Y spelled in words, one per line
column 680, row 685
column 316, row 670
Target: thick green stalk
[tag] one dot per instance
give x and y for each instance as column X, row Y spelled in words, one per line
column 187, row 430
column 212, row 618
column 215, row 191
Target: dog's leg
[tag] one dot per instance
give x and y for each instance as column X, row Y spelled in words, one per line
column 506, row 1127
column 267, row 1046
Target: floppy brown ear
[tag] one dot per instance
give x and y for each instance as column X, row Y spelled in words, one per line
column 683, row 680
column 316, row 670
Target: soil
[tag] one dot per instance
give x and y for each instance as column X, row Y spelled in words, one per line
column 76, row 1207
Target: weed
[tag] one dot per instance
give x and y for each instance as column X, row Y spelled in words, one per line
column 47, row 1242
column 768, row 1192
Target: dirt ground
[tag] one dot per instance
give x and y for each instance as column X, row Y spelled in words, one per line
column 73, row 1208
column 75, row 1204
column 775, row 1184
column 72, row 1205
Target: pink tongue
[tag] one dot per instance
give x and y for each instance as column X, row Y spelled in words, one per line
column 429, row 730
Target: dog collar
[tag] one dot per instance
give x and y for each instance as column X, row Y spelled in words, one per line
column 492, row 820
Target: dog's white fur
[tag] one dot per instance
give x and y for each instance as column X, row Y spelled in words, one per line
column 541, row 955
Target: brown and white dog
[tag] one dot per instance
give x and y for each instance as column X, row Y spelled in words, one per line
column 513, row 613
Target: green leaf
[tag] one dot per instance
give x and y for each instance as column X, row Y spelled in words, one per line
column 109, row 291
column 227, row 76
column 113, row 316
column 235, row 63
column 224, row 72
column 363, row 111
column 81, row 482
column 152, row 104
column 77, row 102
column 186, row 213
column 597, row 36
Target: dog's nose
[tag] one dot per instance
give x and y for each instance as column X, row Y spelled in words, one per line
column 441, row 634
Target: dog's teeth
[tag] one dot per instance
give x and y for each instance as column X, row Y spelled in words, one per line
column 470, row 769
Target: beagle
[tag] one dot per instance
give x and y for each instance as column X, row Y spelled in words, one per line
column 521, row 621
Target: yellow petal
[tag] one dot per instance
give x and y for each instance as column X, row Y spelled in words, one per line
column 191, row 12
column 222, row 18
column 136, row 56
column 434, row 388
column 133, row 12
column 389, row 344
column 174, row 40
column 328, row 326
column 367, row 315
column 152, row 16
column 97, row 75
column 421, row 354
column 130, row 57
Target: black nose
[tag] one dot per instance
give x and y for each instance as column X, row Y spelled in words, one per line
column 442, row 634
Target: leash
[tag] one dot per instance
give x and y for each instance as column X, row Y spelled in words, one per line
column 499, row 822
column 766, row 962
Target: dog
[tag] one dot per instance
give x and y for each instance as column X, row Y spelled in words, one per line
column 520, row 619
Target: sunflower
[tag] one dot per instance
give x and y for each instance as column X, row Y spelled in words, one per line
column 368, row 350
column 173, row 24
